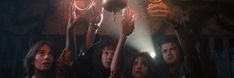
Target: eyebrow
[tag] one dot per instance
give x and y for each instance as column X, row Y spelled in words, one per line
column 41, row 50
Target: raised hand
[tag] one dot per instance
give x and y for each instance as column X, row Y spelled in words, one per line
column 73, row 18
column 95, row 15
column 128, row 22
column 162, row 11
column 159, row 9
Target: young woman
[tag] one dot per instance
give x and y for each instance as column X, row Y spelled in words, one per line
column 40, row 60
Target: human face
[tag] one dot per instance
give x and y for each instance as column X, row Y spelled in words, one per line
column 44, row 58
column 139, row 68
column 170, row 53
column 107, row 55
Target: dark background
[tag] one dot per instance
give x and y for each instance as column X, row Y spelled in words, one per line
column 23, row 22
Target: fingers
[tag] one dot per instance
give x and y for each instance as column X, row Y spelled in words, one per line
column 161, row 6
column 95, row 13
column 154, row 1
column 159, row 12
column 128, row 21
column 131, row 23
column 71, row 13
column 129, row 15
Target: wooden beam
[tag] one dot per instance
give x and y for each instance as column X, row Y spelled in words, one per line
column 228, row 59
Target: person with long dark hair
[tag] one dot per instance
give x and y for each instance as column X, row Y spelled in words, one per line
column 65, row 63
column 40, row 61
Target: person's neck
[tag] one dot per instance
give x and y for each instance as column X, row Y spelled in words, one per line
column 140, row 77
column 173, row 67
column 40, row 74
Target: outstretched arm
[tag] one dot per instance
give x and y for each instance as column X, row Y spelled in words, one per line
column 66, row 58
column 95, row 18
column 70, row 46
column 127, row 29
column 184, row 36
column 91, row 33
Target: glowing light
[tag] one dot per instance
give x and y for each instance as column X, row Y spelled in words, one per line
column 152, row 54
column 104, row 2
column 80, row 4
column 141, row 38
column 155, row 1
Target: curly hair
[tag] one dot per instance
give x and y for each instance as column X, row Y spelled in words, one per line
column 150, row 63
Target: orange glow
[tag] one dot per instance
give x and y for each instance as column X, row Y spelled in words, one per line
column 84, row 4
column 155, row 1
column 158, row 8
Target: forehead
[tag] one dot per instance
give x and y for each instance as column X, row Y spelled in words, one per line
column 44, row 47
column 140, row 58
column 168, row 45
column 110, row 47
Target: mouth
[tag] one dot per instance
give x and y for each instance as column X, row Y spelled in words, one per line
column 138, row 72
column 170, row 56
column 46, row 64
column 109, row 63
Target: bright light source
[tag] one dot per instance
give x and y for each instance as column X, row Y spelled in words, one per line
column 104, row 1
column 141, row 37
column 152, row 54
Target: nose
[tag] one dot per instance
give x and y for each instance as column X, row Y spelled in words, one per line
column 139, row 66
column 109, row 56
column 169, row 53
column 47, row 56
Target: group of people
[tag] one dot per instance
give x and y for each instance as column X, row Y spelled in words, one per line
column 102, row 58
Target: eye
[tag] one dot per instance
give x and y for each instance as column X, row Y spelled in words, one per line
column 50, row 53
column 112, row 53
column 40, row 52
column 105, row 52
column 174, row 48
column 165, row 50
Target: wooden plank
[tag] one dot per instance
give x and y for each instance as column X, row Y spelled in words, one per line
column 228, row 59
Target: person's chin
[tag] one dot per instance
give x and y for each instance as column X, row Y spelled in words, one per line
column 171, row 62
column 107, row 66
column 138, row 76
column 45, row 68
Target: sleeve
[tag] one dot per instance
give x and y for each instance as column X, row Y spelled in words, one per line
column 64, row 64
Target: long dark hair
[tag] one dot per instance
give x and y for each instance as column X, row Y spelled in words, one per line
column 150, row 63
column 28, row 60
